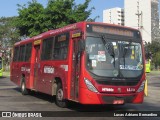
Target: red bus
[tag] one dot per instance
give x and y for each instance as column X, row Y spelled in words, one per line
column 86, row 62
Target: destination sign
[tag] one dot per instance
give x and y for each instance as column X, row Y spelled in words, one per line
column 78, row 34
column 112, row 30
column 37, row 42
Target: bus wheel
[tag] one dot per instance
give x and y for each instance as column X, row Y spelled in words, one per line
column 59, row 96
column 24, row 91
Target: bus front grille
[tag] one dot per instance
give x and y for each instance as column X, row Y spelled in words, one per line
column 117, row 82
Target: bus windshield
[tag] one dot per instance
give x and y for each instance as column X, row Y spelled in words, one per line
column 113, row 58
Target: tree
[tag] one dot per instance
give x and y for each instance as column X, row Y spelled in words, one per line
column 153, row 51
column 35, row 19
column 9, row 33
column 30, row 21
column 8, row 36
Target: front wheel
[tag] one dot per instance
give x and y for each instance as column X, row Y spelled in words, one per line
column 24, row 90
column 60, row 101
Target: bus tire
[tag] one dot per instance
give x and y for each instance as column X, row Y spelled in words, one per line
column 59, row 96
column 24, row 90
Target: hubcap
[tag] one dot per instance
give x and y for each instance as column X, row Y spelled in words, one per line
column 23, row 86
column 60, row 94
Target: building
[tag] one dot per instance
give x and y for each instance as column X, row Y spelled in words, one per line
column 143, row 15
column 114, row 16
column 155, row 20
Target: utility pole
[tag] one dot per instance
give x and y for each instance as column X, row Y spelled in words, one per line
column 139, row 15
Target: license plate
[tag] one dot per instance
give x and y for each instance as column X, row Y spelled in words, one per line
column 118, row 102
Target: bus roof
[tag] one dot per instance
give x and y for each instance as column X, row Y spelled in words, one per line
column 67, row 28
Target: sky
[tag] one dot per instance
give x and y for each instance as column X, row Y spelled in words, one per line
column 8, row 8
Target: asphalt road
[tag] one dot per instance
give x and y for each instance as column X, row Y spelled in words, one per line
column 11, row 99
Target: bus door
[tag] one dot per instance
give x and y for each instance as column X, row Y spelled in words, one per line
column 36, row 65
column 75, row 71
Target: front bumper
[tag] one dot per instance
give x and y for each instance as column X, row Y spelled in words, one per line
column 88, row 97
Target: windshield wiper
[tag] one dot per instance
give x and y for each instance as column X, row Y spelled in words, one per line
column 109, row 47
column 125, row 51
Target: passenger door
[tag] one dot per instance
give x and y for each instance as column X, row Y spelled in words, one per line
column 75, row 71
column 36, row 65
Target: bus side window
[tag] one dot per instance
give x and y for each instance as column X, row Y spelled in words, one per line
column 47, row 48
column 61, row 46
column 28, row 52
column 16, row 54
column 21, row 53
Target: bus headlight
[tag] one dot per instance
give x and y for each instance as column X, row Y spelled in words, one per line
column 90, row 85
column 141, row 88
